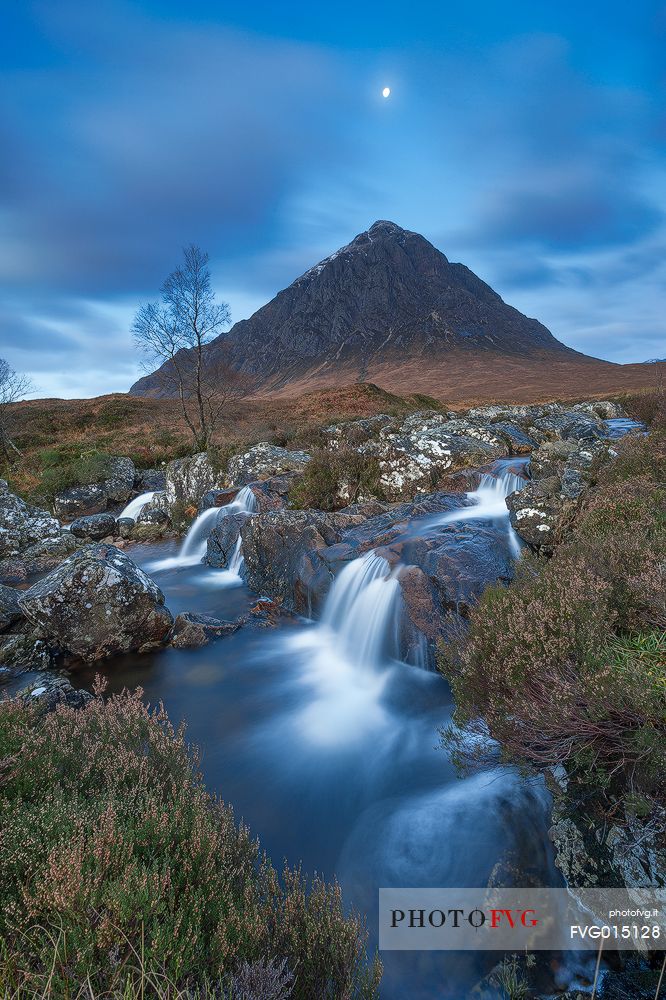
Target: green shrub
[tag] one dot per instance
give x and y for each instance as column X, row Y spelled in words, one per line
column 64, row 467
column 117, row 867
column 334, row 479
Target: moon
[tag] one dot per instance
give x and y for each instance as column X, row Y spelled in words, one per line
column 386, row 92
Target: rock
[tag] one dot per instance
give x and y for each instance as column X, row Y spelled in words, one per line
column 191, row 631
column 10, row 612
column 273, row 493
column 518, row 440
column 535, row 512
column 217, row 498
column 152, row 515
column 46, row 555
column 24, row 650
column 148, row 480
column 602, row 408
column 284, row 555
column 95, row 526
column 98, row 603
column 188, row 479
column 48, row 691
column 263, row 461
column 125, row 526
column 119, row 483
column 21, row 524
column 416, row 455
column 570, row 425
column 79, row 501
column 13, row 571
column 223, row 538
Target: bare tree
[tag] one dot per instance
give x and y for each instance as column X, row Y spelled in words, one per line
column 13, row 387
column 175, row 333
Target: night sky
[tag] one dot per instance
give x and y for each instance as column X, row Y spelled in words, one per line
column 527, row 140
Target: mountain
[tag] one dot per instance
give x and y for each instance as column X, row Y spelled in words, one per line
column 391, row 309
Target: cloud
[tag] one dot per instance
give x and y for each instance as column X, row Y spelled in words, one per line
column 133, row 134
column 156, row 130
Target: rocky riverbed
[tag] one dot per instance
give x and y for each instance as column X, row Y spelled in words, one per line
column 388, row 576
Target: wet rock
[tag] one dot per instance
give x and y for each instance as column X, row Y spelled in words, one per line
column 217, row 498
column 284, row 555
column 94, row 526
column 21, row 524
column 148, row 531
column 98, row 603
column 10, row 612
column 535, row 513
column 263, row 461
column 80, row 501
column 48, row 690
column 191, row 631
column 223, row 539
column 189, row 479
column 125, row 526
column 119, row 483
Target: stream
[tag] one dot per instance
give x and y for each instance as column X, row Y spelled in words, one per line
column 328, row 746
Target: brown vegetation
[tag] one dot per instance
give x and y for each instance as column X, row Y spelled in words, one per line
column 121, row 876
column 568, row 665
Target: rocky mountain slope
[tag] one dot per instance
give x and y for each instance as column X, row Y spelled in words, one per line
column 392, row 309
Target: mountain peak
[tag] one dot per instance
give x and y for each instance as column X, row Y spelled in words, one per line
column 385, row 228
column 389, row 297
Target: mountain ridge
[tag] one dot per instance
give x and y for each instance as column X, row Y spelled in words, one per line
column 387, row 302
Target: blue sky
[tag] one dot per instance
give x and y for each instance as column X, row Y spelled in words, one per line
column 527, row 140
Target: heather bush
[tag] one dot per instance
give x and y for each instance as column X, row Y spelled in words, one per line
column 333, row 479
column 568, row 664
column 117, row 869
column 649, row 407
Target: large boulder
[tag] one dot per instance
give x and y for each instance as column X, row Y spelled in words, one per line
column 119, row 484
column 188, row 479
column 263, row 461
column 416, row 455
column 21, row 524
column 80, row 501
column 98, row 603
column 94, row 526
column 285, row 555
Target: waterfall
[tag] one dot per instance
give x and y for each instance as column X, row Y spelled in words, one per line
column 361, row 611
column 194, row 544
column 193, row 549
column 489, row 499
column 345, row 658
column 135, row 506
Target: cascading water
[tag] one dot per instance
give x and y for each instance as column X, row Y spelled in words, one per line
column 134, row 507
column 360, row 611
column 489, row 499
column 346, row 658
column 193, row 549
